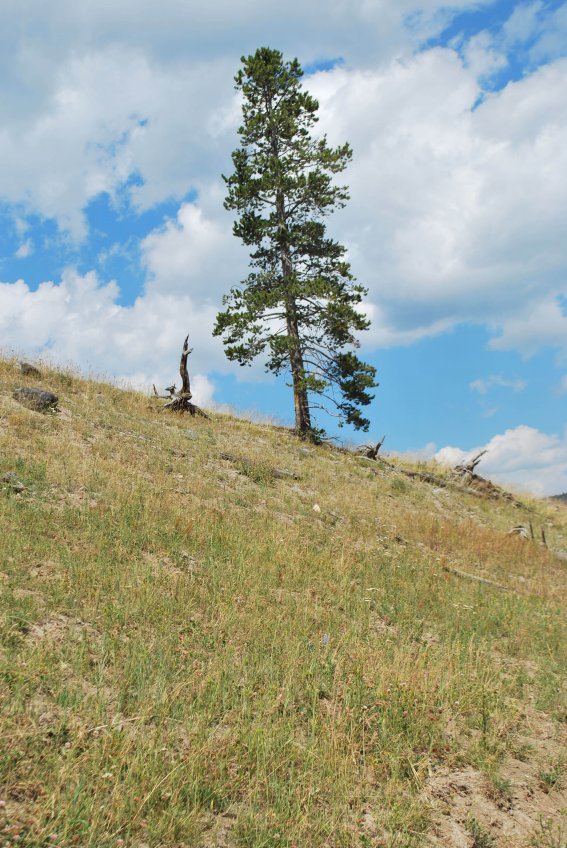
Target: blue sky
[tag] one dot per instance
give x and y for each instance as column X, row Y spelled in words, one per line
column 117, row 123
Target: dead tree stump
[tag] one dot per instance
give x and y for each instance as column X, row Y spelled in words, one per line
column 181, row 401
column 371, row 451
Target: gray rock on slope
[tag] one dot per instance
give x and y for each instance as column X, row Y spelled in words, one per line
column 12, row 481
column 29, row 370
column 39, row 400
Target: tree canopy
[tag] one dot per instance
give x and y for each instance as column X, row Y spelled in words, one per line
column 299, row 305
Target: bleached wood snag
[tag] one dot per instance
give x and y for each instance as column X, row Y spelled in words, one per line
column 181, row 401
column 372, row 451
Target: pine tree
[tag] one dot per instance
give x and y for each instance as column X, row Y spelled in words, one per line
column 298, row 305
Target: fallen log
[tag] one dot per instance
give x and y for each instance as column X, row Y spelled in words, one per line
column 471, row 485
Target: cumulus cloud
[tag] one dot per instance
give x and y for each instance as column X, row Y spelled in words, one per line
column 523, row 458
column 94, row 95
column 92, row 136
column 483, row 56
column 538, row 29
column 178, row 28
column 194, row 252
column 78, row 321
column 532, row 326
column 524, row 23
column 457, row 210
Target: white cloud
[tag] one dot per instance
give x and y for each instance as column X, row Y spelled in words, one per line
column 532, row 326
column 78, row 321
column 483, row 57
column 456, row 212
column 21, row 226
column 539, row 30
column 93, row 94
column 24, row 250
column 70, row 132
column 484, row 385
column 179, row 28
column 532, row 35
column 194, row 253
column 92, row 135
column 523, row 458
column 457, row 208
column 524, row 23
column 552, row 38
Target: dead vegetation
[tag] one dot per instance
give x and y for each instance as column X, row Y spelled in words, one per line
column 180, row 401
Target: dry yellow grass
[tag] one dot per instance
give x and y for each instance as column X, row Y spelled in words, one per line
column 193, row 656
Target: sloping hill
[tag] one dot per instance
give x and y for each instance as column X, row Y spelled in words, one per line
column 198, row 653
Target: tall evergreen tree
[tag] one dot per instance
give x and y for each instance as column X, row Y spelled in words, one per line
column 298, row 305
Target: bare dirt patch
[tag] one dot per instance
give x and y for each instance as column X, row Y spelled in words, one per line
column 521, row 810
column 219, row 834
column 59, row 628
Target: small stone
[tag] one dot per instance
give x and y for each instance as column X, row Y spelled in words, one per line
column 316, row 508
column 29, row 370
column 13, row 482
column 39, row 400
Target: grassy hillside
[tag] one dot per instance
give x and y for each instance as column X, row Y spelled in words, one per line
column 195, row 653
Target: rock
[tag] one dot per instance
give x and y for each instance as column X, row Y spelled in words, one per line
column 13, row 482
column 316, row 508
column 29, row 370
column 39, row 400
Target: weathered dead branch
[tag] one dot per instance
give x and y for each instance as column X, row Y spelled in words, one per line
column 467, row 576
column 181, row 401
column 468, row 467
column 465, row 475
column 522, row 531
column 460, row 480
column 371, row 451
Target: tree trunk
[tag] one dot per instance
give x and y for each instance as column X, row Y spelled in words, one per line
column 300, row 397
